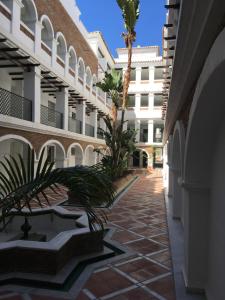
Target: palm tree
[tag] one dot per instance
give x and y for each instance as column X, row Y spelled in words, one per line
column 21, row 185
column 112, row 84
column 130, row 13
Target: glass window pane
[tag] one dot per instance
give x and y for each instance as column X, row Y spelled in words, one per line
column 144, row 73
column 158, row 100
column 144, row 100
column 133, row 74
column 131, row 100
column 158, row 132
column 158, row 73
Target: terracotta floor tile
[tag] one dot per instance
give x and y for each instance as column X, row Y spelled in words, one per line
column 142, row 269
column 145, row 246
column 135, row 294
column 124, row 236
column 82, row 296
column 164, row 287
column 106, row 282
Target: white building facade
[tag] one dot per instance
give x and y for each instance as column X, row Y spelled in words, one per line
column 145, row 102
column 48, row 71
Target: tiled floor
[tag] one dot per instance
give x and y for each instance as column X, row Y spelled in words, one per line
column 139, row 218
column 140, row 222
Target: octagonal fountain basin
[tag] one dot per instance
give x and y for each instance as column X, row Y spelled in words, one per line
column 55, row 238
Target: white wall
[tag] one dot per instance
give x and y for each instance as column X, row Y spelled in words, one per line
column 215, row 286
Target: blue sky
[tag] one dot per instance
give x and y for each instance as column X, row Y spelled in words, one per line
column 105, row 16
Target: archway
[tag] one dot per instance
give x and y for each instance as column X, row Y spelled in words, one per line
column 177, row 169
column 29, row 14
column 47, row 33
column 56, row 153
column 140, row 159
column 14, row 145
column 204, row 173
column 90, row 156
column 75, row 155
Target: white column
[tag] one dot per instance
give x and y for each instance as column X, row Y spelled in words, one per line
column 151, row 74
column 150, row 131
column 138, row 74
column 54, row 50
column 16, row 13
column 66, row 70
column 37, row 44
column 196, row 234
column 32, row 91
column 138, row 127
column 94, row 121
column 151, row 102
column 81, row 115
column 137, row 102
column 62, row 106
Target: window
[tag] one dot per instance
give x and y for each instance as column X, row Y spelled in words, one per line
column 144, row 100
column 158, row 74
column 51, row 154
column 144, row 132
column 144, row 73
column 120, row 70
column 158, row 132
column 133, row 74
column 158, row 100
column 100, row 54
column 131, row 100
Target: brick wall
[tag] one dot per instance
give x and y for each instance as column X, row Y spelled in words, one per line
column 61, row 21
column 38, row 139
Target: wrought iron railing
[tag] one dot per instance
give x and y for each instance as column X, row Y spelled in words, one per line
column 51, row 117
column 75, row 125
column 89, row 130
column 15, row 106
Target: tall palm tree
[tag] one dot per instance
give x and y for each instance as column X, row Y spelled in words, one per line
column 112, row 84
column 130, row 13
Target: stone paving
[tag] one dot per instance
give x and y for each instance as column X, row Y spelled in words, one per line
column 139, row 218
column 140, row 222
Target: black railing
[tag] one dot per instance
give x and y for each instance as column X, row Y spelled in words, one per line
column 15, row 106
column 51, row 117
column 89, row 130
column 75, row 125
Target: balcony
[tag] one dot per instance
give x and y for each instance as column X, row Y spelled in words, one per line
column 15, row 106
column 75, row 125
column 89, row 130
column 51, row 117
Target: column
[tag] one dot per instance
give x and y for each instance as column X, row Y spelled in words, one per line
column 151, row 102
column 196, row 232
column 138, row 128
column 138, row 102
column 94, row 121
column 62, row 106
column 81, row 115
column 138, row 75
column 37, row 44
column 66, row 64
column 150, row 131
column 32, row 91
column 16, row 6
column 151, row 74
column 54, row 52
